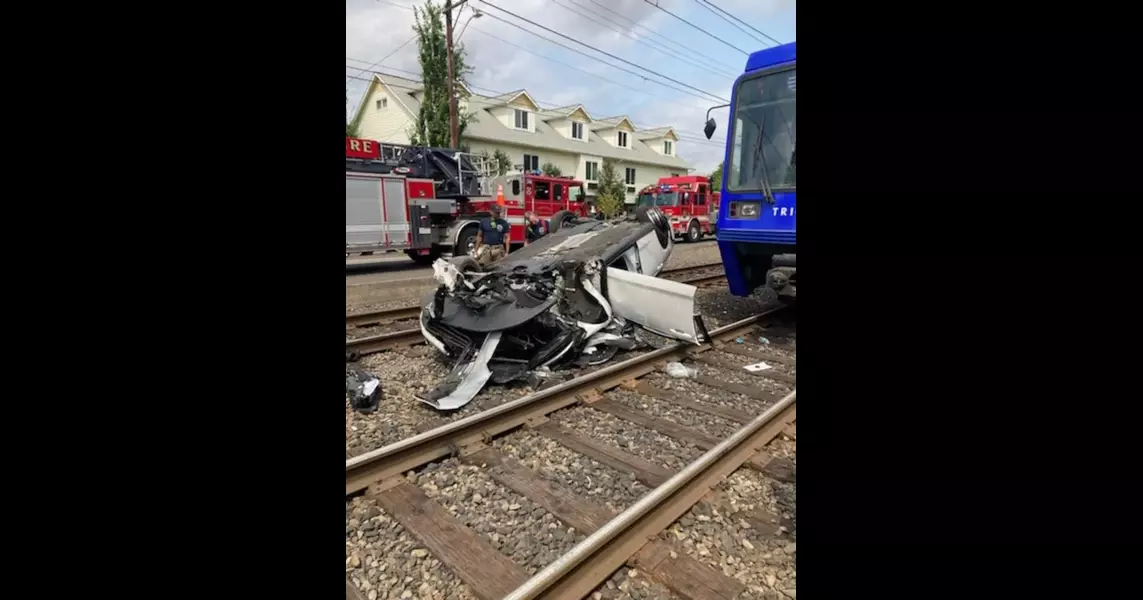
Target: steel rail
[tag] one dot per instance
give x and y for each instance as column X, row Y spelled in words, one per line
column 443, row 441
column 589, row 563
column 384, row 341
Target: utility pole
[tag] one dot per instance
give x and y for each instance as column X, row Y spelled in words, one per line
column 453, row 126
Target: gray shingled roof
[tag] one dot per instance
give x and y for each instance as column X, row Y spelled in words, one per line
column 487, row 127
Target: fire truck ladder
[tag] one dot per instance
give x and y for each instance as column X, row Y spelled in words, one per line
column 456, row 174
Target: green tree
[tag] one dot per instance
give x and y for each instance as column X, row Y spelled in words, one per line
column 609, row 182
column 550, row 170
column 432, row 125
column 609, row 204
column 350, row 128
column 611, row 192
column 503, row 163
column 716, row 177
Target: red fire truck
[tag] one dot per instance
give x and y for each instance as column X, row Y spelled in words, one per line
column 690, row 202
column 428, row 202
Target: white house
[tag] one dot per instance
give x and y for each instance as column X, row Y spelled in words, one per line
column 568, row 137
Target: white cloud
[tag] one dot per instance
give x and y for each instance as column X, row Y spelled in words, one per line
column 373, row 29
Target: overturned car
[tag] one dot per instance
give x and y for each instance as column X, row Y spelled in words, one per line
column 573, row 296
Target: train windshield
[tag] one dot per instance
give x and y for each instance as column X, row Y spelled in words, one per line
column 764, row 134
column 668, row 199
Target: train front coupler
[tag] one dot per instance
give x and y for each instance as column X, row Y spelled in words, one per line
column 783, row 277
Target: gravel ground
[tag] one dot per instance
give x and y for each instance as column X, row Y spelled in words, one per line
column 384, row 561
column 640, row 441
column 736, row 359
column 571, row 470
column 701, row 393
column 689, row 255
column 740, row 376
column 711, row 425
column 716, row 534
column 403, row 374
column 628, row 584
column 513, row 524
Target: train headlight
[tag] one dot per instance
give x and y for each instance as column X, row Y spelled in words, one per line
column 745, row 210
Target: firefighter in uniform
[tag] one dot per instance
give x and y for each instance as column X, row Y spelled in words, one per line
column 493, row 238
column 536, row 227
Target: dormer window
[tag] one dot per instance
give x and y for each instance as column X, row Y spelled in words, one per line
column 577, row 130
column 382, row 103
column 521, row 119
column 622, row 139
column 667, row 147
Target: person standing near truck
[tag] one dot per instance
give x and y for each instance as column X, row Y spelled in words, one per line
column 493, row 238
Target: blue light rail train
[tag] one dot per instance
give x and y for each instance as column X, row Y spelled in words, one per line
column 757, row 221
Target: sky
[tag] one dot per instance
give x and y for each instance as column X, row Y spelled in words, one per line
column 506, row 58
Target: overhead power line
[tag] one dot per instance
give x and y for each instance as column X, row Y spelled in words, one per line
column 604, row 52
column 663, row 50
column 761, row 33
column 698, row 28
column 387, row 56
column 732, row 23
column 635, row 26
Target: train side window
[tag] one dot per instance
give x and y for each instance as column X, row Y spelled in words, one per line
column 541, row 190
column 559, row 195
column 515, row 187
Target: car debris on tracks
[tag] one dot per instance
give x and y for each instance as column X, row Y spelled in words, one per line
column 574, row 296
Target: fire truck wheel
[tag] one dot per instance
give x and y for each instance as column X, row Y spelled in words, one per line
column 560, row 219
column 694, row 234
column 465, row 242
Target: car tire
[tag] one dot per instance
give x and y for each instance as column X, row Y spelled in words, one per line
column 561, row 219
column 466, row 264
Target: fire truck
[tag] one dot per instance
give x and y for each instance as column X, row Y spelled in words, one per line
column 690, row 202
column 428, row 202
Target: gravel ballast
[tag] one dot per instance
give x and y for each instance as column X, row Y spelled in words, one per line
column 635, row 439
column 384, row 561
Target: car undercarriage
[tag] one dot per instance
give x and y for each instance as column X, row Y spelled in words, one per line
column 573, row 297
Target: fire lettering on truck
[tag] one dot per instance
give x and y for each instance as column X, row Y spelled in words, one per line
column 358, row 148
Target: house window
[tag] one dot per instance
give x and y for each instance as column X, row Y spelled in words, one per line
column 667, row 148
column 674, row 174
column 521, row 119
column 577, row 130
column 630, row 177
column 531, row 162
column 622, row 139
column 592, row 171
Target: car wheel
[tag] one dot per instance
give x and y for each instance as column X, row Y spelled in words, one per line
column 561, row 219
column 466, row 264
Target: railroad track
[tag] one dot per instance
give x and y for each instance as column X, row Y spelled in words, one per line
column 607, row 538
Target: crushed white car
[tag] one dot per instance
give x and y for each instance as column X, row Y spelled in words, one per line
column 573, row 296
